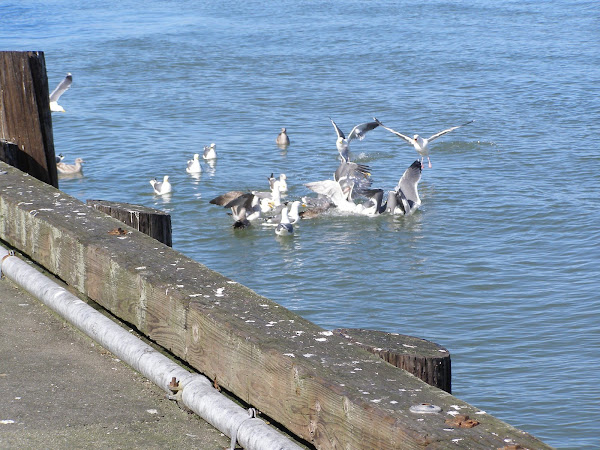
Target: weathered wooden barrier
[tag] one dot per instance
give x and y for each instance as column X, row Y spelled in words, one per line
column 317, row 384
column 153, row 222
column 25, row 117
column 424, row 359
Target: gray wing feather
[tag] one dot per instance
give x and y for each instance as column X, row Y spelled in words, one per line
column 409, row 181
column 339, row 132
column 400, row 135
column 62, row 87
column 441, row 133
column 359, row 131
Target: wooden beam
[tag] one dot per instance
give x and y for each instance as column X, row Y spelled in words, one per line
column 25, row 117
column 424, row 359
column 153, row 222
column 315, row 383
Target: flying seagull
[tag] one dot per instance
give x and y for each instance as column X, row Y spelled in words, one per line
column 58, row 91
column 358, row 132
column 420, row 144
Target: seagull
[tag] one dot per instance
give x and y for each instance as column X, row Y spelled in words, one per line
column 210, row 151
column 282, row 139
column 62, row 167
column 420, row 144
column 244, row 206
column 284, row 228
column 283, row 187
column 332, row 190
column 193, row 165
column 59, row 158
column 353, row 178
column 58, row 91
column 374, row 206
column 315, row 206
column 358, row 132
column 161, row 187
column 293, row 214
column 404, row 199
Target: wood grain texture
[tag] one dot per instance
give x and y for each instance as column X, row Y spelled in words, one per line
column 25, row 117
column 315, row 383
column 424, row 359
column 153, row 222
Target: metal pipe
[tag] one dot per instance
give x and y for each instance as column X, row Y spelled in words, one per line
column 194, row 390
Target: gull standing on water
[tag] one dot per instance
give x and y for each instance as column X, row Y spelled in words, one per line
column 193, row 165
column 283, row 139
column 161, row 187
column 58, row 91
column 358, row 132
column 420, row 144
column 62, row 167
column 210, row 151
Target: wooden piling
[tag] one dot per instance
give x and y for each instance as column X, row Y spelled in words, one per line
column 424, row 359
column 25, row 117
column 153, row 222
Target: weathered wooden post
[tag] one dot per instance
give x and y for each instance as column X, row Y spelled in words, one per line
column 424, row 359
column 153, row 222
column 25, row 117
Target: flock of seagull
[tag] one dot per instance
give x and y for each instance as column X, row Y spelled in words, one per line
column 349, row 191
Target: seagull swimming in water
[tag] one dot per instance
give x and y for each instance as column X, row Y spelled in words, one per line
column 65, row 168
column 404, row 199
column 193, row 165
column 161, row 187
column 284, row 228
column 283, row 187
column 283, row 139
column 420, row 144
column 210, row 151
column 58, row 91
column 358, row 132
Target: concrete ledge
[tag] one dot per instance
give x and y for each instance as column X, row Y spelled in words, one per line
column 318, row 385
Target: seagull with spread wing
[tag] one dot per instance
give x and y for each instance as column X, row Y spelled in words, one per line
column 404, row 199
column 58, row 91
column 358, row 132
column 421, row 145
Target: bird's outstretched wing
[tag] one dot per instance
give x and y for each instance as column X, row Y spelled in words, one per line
column 340, row 133
column 62, row 87
column 359, row 131
column 441, row 133
column 408, row 184
column 400, row 135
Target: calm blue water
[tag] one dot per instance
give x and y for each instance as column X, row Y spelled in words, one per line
column 501, row 263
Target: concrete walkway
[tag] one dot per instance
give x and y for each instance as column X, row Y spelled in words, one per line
column 60, row 390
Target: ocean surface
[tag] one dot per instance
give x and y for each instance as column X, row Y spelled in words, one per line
column 500, row 265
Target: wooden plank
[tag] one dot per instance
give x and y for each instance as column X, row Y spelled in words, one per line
column 153, row 222
column 424, row 359
column 315, row 383
column 25, row 117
